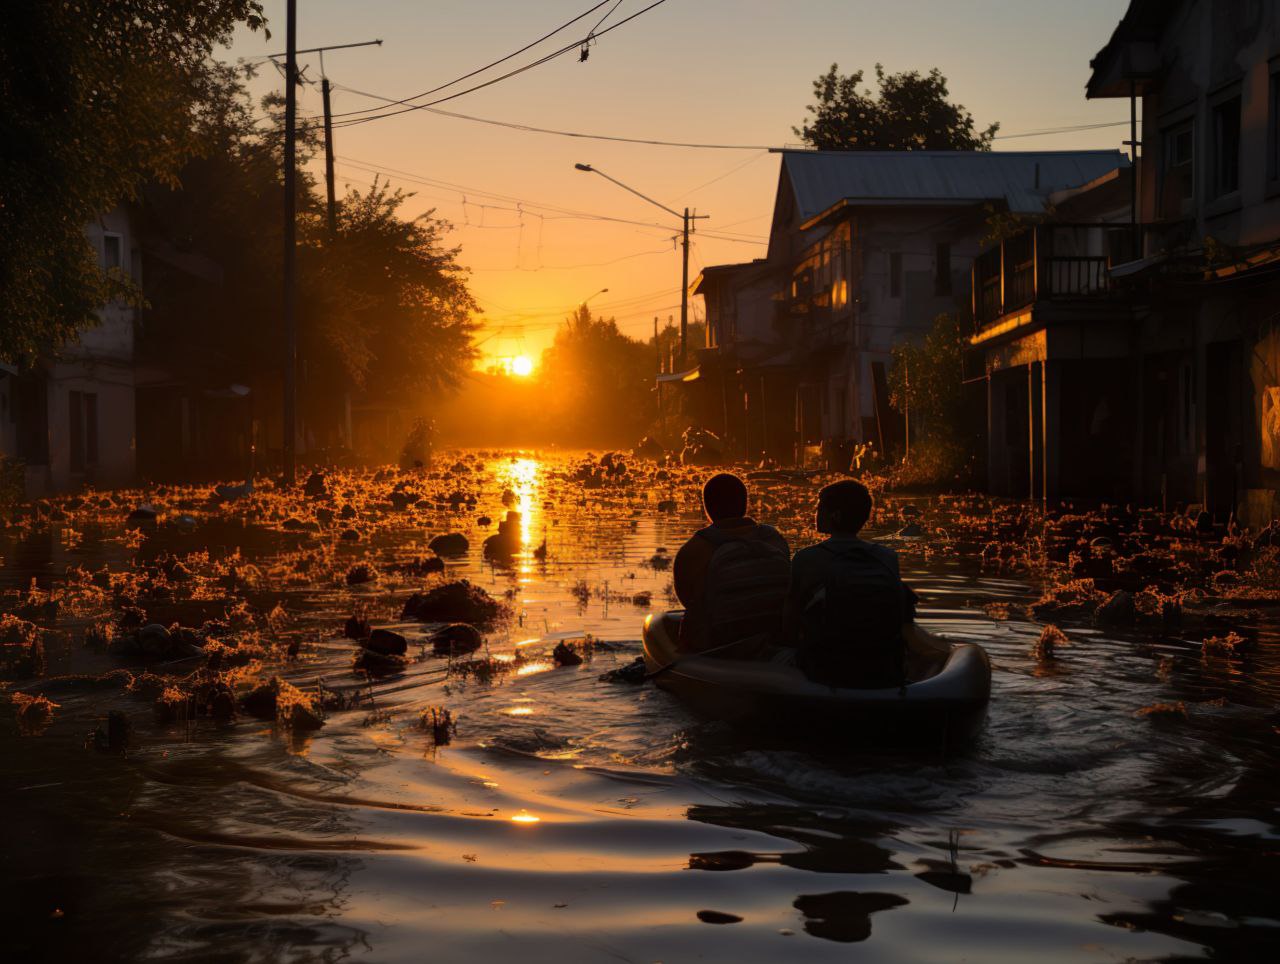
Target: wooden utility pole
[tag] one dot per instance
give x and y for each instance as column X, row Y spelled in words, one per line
column 289, row 428
column 684, row 296
column 290, row 252
column 328, row 159
column 657, row 353
column 689, row 218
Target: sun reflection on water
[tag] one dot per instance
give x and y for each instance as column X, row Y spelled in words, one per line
column 523, row 476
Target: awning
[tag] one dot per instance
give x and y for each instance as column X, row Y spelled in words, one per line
column 692, row 375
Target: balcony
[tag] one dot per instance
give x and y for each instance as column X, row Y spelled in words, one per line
column 1049, row 264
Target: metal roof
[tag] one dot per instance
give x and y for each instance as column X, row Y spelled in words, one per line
column 1024, row 180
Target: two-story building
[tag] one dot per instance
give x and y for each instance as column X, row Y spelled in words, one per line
column 866, row 248
column 1130, row 343
column 70, row 418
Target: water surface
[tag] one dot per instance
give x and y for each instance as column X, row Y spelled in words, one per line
column 574, row 818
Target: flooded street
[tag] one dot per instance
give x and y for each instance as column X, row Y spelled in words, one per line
column 577, row 818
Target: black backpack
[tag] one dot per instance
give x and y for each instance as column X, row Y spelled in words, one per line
column 746, row 588
column 851, row 628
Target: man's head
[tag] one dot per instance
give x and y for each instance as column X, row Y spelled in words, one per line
column 724, row 497
column 843, row 508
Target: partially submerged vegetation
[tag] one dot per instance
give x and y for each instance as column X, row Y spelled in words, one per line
column 196, row 614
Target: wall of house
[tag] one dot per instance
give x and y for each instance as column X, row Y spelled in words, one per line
column 888, row 311
column 1215, row 51
column 1217, row 55
column 88, row 418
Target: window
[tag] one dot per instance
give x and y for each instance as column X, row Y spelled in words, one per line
column 1226, row 147
column 1178, row 170
column 942, row 269
column 82, row 411
column 895, row 275
column 112, row 251
column 1273, row 125
column 1188, row 406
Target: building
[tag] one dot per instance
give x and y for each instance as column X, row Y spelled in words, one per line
column 70, row 418
column 866, row 248
column 1131, row 348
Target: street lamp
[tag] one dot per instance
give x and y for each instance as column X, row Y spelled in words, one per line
column 686, row 218
column 602, row 291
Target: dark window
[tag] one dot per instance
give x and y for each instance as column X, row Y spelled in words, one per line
column 31, row 416
column 1226, row 147
column 942, row 269
column 91, row 428
column 1188, row 402
column 75, row 410
column 1273, row 128
column 112, row 251
column 82, row 414
column 1179, row 163
column 895, row 275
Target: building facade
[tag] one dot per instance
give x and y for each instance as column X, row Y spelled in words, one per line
column 1130, row 343
column 70, row 419
column 866, row 249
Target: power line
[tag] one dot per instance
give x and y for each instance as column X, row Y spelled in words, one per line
column 481, row 70
column 571, row 213
column 699, row 145
column 372, row 115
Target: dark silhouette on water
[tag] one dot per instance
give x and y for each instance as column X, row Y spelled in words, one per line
column 731, row 576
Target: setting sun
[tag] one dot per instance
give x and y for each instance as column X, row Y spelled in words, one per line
column 522, row 365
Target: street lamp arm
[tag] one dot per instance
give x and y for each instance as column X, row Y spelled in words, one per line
column 595, row 170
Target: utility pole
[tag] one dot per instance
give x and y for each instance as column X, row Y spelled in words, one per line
column 328, row 158
column 290, row 229
column 687, row 220
column 1133, row 144
column 291, row 78
column 684, row 296
column 657, row 352
column 325, row 88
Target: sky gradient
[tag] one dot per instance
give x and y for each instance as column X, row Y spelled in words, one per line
column 709, row 71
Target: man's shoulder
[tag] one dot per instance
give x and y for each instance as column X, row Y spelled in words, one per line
column 770, row 534
column 884, row 553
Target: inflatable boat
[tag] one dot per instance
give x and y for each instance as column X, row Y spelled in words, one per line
column 944, row 709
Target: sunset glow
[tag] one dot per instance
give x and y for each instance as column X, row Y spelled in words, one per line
column 826, row 456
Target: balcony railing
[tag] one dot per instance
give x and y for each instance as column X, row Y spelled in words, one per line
column 1048, row 262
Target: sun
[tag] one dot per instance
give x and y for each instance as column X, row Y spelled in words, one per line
column 522, row 365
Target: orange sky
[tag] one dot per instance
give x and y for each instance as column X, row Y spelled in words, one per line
column 709, row 71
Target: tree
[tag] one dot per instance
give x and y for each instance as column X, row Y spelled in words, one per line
column 383, row 307
column 598, row 382
column 926, row 384
column 399, row 315
column 912, row 113
column 96, row 99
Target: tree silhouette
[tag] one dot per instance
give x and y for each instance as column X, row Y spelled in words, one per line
column 912, row 113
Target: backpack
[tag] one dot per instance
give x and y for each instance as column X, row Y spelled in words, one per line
column 746, row 588
column 852, row 626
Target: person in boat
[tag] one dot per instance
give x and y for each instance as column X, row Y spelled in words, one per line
column 731, row 576
column 849, row 615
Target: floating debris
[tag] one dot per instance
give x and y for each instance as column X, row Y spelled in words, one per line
column 454, row 602
column 1051, row 640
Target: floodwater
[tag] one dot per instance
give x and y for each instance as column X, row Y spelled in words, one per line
column 574, row 818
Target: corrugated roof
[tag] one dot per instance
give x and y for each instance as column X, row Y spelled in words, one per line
column 1023, row 179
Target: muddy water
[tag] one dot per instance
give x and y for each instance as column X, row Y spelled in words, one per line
column 578, row 819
